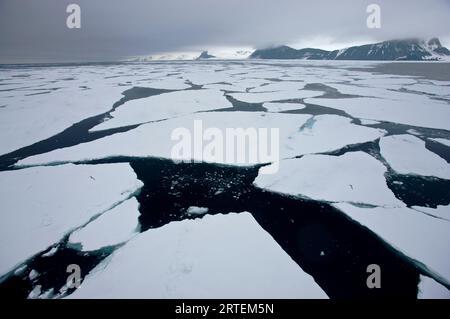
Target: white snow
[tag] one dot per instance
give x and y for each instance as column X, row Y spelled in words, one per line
column 387, row 82
column 114, row 227
column 417, row 112
column 420, row 237
column 30, row 119
column 325, row 133
column 226, row 87
column 207, row 258
column 169, row 84
column 282, row 107
column 354, row 177
column 369, row 122
column 40, row 205
column 406, row 154
column 443, row 141
column 279, row 86
column 154, row 139
column 441, row 211
column 430, row 289
column 165, row 106
column 298, row 134
column 440, row 90
column 274, row 96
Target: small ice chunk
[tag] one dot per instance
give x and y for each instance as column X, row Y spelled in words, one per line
column 195, row 210
column 51, row 252
column 19, row 271
column 33, row 275
column 35, row 293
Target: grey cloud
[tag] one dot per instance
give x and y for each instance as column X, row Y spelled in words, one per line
column 111, row 29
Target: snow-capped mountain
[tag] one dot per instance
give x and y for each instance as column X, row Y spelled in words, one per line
column 170, row 56
column 409, row 49
column 199, row 55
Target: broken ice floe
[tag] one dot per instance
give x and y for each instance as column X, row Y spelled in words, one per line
column 442, row 141
column 407, row 154
column 274, row 96
column 205, row 258
column 30, row 119
column 282, row 107
column 415, row 112
column 354, row 177
column 114, row 227
column 298, row 134
column 423, row 238
column 165, row 106
column 54, row 201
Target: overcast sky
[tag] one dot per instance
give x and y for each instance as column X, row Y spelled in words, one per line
column 35, row 30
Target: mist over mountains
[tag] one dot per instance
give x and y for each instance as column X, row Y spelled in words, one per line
column 392, row 50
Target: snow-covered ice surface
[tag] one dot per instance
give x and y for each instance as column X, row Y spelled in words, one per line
column 299, row 134
column 345, row 137
column 278, row 86
column 369, row 122
column 430, row 289
column 406, row 154
column 441, row 211
column 114, row 227
column 420, row 237
column 282, row 107
column 384, row 103
column 165, row 106
column 41, row 205
column 409, row 112
column 439, row 90
column 354, row 177
column 207, row 258
column 27, row 119
column 155, row 139
column 274, row 96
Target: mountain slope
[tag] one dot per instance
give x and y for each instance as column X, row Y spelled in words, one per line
column 409, row 49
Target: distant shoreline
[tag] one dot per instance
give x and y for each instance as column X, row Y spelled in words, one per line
column 433, row 70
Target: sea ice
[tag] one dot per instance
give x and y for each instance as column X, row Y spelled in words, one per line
column 41, row 205
column 165, row 106
column 354, row 177
column 406, row 154
column 113, row 227
column 423, row 238
column 203, row 258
